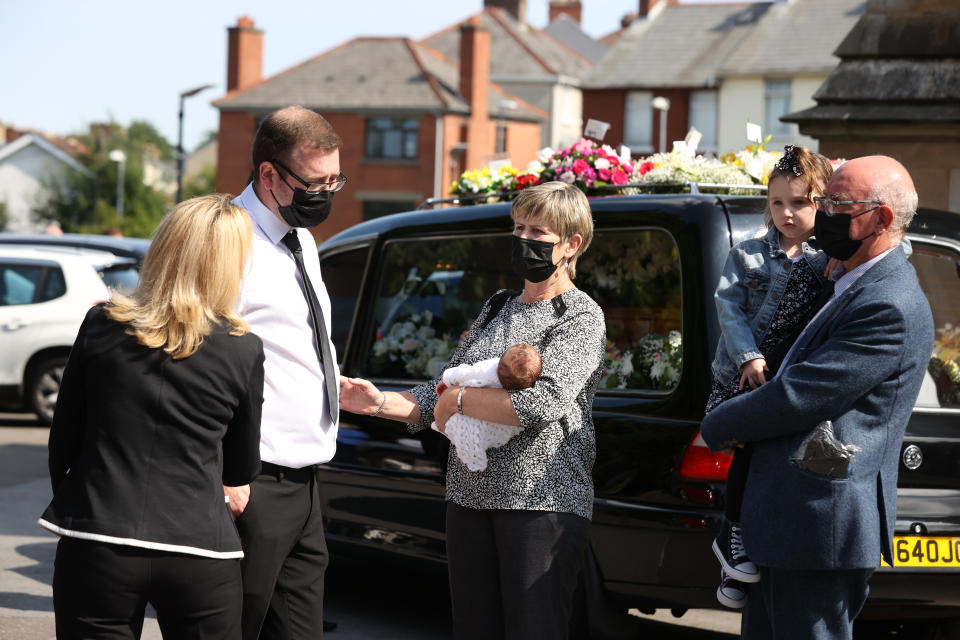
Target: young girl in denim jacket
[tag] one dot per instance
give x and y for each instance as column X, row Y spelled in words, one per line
column 766, row 294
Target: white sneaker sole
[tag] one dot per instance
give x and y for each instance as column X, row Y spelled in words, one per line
column 733, row 572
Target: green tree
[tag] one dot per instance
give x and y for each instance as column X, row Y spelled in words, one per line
column 85, row 201
column 4, row 216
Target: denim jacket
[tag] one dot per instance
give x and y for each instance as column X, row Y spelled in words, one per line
column 754, row 277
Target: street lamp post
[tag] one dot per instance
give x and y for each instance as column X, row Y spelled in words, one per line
column 662, row 105
column 180, row 154
column 118, row 156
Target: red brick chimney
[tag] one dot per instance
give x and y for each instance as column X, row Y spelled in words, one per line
column 244, row 55
column 475, row 89
column 516, row 8
column 646, row 6
column 572, row 8
column 237, row 128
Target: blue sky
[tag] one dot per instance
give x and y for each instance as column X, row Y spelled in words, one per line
column 69, row 63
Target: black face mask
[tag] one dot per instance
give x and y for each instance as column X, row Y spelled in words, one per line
column 833, row 234
column 532, row 259
column 308, row 208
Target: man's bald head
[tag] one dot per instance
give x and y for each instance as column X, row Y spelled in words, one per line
column 878, row 178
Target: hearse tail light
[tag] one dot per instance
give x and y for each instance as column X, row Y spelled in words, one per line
column 699, row 463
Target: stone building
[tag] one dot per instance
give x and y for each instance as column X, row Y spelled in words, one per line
column 896, row 92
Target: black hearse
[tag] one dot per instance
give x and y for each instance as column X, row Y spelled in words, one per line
column 403, row 288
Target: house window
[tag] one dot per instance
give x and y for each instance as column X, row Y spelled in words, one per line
column 776, row 96
column 392, row 138
column 703, row 117
column 638, row 123
column 501, row 137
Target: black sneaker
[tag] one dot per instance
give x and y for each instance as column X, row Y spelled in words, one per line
column 731, row 592
column 728, row 547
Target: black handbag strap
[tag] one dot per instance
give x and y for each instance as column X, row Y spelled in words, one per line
column 496, row 304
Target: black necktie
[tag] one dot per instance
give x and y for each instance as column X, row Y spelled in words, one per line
column 319, row 327
column 782, row 348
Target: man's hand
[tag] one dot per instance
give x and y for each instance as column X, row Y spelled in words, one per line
column 754, row 373
column 239, row 498
column 359, row 396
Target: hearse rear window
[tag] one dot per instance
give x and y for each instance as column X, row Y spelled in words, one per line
column 938, row 269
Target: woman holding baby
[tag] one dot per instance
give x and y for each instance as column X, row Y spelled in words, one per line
column 517, row 529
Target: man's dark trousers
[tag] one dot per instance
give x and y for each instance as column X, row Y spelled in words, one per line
column 804, row 605
column 285, row 556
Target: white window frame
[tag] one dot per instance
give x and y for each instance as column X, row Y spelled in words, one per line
column 777, row 101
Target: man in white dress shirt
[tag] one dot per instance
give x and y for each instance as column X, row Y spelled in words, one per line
column 296, row 170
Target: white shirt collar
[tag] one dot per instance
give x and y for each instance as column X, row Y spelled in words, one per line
column 847, row 279
column 272, row 227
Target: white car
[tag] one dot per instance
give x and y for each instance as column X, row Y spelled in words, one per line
column 44, row 295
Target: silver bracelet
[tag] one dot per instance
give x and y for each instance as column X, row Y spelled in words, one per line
column 460, row 400
column 380, row 408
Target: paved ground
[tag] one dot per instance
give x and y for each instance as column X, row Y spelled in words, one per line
column 368, row 602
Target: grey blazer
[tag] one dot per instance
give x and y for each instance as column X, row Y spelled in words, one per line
column 860, row 364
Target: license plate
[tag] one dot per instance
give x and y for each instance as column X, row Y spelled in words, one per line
column 926, row 551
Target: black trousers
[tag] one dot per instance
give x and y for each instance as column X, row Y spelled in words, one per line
column 513, row 573
column 100, row 591
column 804, row 605
column 285, row 556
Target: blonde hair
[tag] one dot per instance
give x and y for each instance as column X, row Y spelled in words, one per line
column 815, row 169
column 562, row 207
column 190, row 278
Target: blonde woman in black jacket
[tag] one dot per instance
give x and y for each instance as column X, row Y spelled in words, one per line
column 159, row 407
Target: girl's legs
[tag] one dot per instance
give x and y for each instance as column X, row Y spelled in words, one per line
column 736, row 483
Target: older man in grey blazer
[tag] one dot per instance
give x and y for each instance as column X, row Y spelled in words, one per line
column 820, row 500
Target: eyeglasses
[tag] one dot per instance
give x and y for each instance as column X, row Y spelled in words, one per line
column 832, row 207
column 336, row 185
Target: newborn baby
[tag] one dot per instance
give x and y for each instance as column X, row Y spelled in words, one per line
column 518, row 368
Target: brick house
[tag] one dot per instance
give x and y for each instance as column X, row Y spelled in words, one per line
column 410, row 118
column 719, row 65
column 531, row 63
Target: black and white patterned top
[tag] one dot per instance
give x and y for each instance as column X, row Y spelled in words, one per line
column 548, row 466
column 798, row 294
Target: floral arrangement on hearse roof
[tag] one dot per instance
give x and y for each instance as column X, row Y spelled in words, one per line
column 598, row 169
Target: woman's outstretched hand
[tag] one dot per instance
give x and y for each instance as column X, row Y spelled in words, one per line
column 359, row 396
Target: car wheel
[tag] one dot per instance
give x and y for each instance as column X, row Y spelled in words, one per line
column 42, row 386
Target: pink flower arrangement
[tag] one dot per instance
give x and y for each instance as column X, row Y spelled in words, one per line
column 587, row 165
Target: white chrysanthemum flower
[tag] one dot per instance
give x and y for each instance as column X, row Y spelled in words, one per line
column 658, row 369
column 626, row 364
